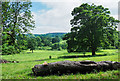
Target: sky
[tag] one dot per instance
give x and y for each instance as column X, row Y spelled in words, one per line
column 55, row 15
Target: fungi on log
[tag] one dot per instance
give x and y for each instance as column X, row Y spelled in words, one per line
column 64, row 67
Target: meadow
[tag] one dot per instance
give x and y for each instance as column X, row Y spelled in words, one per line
column 27, row 60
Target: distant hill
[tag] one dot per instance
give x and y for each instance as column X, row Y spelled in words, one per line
column 50, row 34
column 53, row 34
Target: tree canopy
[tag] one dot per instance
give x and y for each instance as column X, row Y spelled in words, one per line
column 91, row 26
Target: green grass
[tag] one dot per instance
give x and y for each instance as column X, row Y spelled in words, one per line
column 27, row 60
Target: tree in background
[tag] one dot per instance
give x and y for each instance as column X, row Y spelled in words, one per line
column 22, row 42
column 17, row 19
column 32, row 43
column 46, row 41
column 38, row 39
column 91, row 26
column 55, row 39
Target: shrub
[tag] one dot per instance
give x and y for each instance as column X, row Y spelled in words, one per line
column 44, row 48
column 109, row 47
column 59, row 48
column 112, row 47
column 64, row 45
column 56, row 46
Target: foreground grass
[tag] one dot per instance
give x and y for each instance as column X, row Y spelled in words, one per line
column 27, row 60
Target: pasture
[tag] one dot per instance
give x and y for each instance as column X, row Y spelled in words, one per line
column 27, row 60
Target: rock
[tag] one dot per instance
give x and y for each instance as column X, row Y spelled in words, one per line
column 5, row 61
column 64, row 67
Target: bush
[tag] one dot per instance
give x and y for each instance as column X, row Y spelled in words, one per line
column 109, row 47
column 59, row 49
column 64, row 45
column 44, row 48
column 56, row 46
column 112, row 47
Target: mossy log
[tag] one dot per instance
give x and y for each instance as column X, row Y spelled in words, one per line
column 64, row 67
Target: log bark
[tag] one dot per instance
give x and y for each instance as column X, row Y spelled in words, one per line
column 65, row 67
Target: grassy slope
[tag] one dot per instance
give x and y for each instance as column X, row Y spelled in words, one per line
column 23, row 69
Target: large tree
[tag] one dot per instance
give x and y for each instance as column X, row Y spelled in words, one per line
column 17, row 19
column 91, row 26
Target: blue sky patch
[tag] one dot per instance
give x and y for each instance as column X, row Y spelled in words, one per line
column 37, row 6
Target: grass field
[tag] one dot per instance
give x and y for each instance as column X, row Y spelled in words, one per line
column 27, row 60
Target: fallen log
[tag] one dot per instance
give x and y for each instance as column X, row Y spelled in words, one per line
column 64, row 67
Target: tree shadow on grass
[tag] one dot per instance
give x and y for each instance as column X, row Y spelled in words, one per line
column 39, row 60
column 100, row 51
column 47, row 59
column 77, row 56
column 84, row 56
column 69, row 56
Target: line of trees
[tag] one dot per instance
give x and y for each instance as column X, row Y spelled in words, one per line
column 31, row 42
column 46, row 43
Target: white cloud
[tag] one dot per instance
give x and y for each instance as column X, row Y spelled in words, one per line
column 57, row 19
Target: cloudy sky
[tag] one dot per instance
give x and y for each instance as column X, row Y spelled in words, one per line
column 55, row 15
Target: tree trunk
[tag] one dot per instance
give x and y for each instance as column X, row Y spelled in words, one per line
column 93, row 52
column 65, row 67
column 32, row 51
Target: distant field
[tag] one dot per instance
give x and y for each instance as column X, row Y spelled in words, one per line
column 27, row 60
